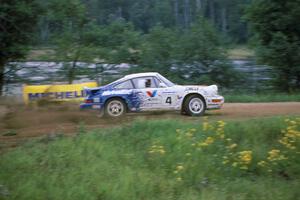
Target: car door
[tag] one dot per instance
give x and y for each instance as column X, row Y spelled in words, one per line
column 150, row 95
column 153, row 94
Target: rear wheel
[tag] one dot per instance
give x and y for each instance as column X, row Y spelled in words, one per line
column 194, row 105
column 115, row 108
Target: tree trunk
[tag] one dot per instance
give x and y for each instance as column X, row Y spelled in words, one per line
column 120, row 12
column 186, row 13
column 298, row 81
column 176, row 15
column 212, row 11
column 44, row 29
column 71, row 74
column 2, row 66
column 224, row 20
column 198, row 6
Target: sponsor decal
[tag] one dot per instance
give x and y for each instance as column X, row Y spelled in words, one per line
column 70, row 92
column 56, row 95
column 151, row 94
column 113, row 92
column 191, row 89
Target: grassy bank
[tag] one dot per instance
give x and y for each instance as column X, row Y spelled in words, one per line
column 255, row 98
column 254, row 159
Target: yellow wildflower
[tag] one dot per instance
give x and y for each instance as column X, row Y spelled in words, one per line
column 245, row 157
column 232, row 146
column 179, row 167
column 179, row 179
column 221, row 123
column 262, row 163
column 274, row 155
column 208, row 141
column 225, row 162
column 161, row 151
column 189, row 134
column 157, row 149
column 205, row 126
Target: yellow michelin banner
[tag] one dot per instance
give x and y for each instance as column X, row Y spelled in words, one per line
column 71, row 92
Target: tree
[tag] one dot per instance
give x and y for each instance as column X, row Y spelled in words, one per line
column 18, row 20
column 146, row 14
column 276, row 28
column 157, row 50
column 71, row 43
column 200, row 56
column 186, row 56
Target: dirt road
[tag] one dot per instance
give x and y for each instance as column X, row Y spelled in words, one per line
column 19, row 123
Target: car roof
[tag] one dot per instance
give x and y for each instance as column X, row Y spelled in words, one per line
column 136, row 75
column 130, row 76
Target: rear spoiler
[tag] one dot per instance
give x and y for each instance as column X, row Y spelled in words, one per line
column 89, row 91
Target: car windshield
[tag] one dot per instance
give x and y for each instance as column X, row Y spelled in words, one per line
column 166, row 81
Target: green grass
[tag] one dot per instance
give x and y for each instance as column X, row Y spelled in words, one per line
column 139, row 161
column 254, row 98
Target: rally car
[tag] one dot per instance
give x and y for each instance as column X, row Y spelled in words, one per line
column 151, row 91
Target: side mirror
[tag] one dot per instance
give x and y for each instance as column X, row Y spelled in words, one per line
column 162, row 85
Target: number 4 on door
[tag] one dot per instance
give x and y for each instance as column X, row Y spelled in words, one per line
column 169, row 100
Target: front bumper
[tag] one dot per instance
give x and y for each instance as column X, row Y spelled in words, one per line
column 214, row 102
column 90, row 106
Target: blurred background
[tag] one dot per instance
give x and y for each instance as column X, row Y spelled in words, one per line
column 244, row 46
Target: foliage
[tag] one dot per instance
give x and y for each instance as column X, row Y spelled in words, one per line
column 182, row 55
column 190, row 57
column 17, row 23
column 71, row 20
column 254, row 159
column 144, row 15
column 117, row 42
column 276, row 28
column 157, row 50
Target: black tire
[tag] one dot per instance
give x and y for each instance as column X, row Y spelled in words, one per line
column 115, row 107
column 194, row 105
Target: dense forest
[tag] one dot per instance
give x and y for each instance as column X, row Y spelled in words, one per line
column 187, row 40
column 225, row 15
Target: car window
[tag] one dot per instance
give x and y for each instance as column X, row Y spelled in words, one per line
column 124, row 85
column 144, row 82
column 157, row 81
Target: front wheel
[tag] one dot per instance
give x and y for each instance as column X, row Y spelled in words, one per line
column 194, row 105
column 115, row 108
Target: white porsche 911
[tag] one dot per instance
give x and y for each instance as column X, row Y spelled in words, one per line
column 151, row 91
